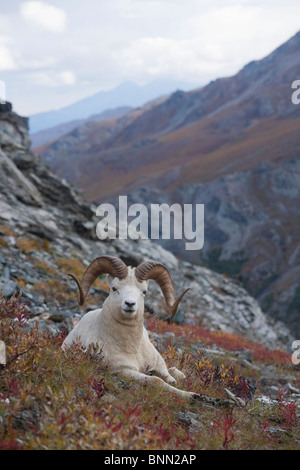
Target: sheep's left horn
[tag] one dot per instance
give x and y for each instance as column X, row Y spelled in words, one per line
column 160, row 274
column 102, row 265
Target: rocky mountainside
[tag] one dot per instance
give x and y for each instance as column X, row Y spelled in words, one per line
column 47, row 230
column 46, row 135
column 251, row 232
column 232, row 124
column 233, row 145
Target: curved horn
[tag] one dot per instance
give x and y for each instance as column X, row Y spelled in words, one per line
column 102, row 265
column 159, row 273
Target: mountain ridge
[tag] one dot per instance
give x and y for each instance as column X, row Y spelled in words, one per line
column 126, row 94
column 228, row 129
column 52, row 133
column 195, row 122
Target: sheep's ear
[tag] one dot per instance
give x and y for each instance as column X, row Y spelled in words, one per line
column 109, row 279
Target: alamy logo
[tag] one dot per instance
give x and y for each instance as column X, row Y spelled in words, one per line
column 296, row 353
column 164, row 221
column 296, row 95
column 2, row 92
column 2, row 353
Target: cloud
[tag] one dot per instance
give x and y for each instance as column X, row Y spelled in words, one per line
column 7, row 61
column 67, row 78
column 53, row 79
column 37, row 63
column 180, row 59
column 46, row 16
column 64, row 50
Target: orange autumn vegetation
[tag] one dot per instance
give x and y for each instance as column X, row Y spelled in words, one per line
column 55, row 400
column 197, row 335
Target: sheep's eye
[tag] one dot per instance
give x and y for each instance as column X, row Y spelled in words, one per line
column 114, row 289
column 144, row 292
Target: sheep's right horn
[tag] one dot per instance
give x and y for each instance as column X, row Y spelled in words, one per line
column 102, row 265
column 160, row 274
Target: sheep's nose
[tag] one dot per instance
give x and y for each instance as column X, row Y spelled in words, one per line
column 129, row 303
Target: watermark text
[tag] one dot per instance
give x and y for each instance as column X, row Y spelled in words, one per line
column 2, row 92
column 163, row 221
column 2, row 353
column 296, row 94
column 296, row 353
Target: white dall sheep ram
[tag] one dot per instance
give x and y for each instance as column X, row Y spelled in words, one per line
column 118, row 328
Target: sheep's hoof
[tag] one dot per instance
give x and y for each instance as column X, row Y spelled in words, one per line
column 237, row 400
column 177, row 374
column 170, row 380
column 212, row 402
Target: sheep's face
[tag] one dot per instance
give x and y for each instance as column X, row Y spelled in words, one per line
column 127, row 295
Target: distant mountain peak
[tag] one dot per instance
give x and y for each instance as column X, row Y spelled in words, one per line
column 127, row 93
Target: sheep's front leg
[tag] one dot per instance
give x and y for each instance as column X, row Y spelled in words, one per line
column 171, row 375
column 177, row 374
column 157, row 381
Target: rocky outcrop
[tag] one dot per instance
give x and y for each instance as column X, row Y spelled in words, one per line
column 14, row 130
column 45, row 226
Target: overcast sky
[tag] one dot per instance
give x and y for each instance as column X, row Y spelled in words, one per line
column 53, row 53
